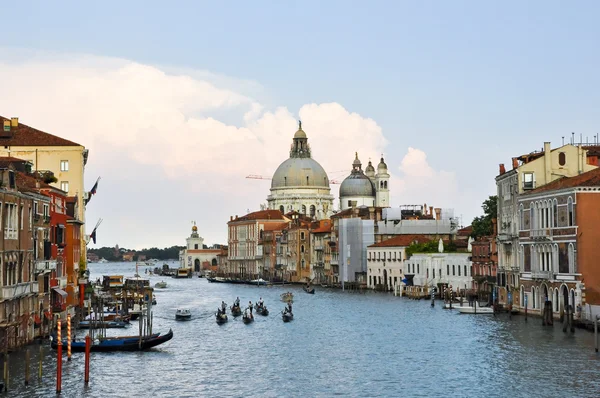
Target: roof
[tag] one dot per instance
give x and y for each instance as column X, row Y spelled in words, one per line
column 322, row 226
column 261, row 215
column 5, row 161
column 31, row 184
column 24, row 135
column 275, row 227
column 587, row 179
column 466, row 231
column 403, row 240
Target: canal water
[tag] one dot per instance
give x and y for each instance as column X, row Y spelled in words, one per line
column 340, row 343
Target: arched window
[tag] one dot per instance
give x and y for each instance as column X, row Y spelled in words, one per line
column 285, row 181
column 555, row 213
column 307, row 181
column 562, row 158
column 302, row 250
column 214, row 262
column 303, row 262
column 531, row 215
column 571, row 211
column 282, row 209
column 453, row 269
column 303, row 209
column 385, row 184
column 521, row 217
column 313, row 210
column 571, row 256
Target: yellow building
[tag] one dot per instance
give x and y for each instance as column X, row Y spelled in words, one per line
column 47, row 152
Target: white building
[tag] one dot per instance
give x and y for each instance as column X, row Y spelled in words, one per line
column 435, row 269
column 194, row 255
column 300, row 183
column 354, row 236
column 365, row 188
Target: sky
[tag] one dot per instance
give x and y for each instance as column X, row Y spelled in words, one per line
column 179, row 102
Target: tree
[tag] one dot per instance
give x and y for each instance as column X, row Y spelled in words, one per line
column 482, row 225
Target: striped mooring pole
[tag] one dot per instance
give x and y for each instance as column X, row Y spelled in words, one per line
column 68, row 337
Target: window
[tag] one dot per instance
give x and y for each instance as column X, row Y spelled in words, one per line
column 64, row 165
column 282, row 209
column 562, row 158
column 465, row 270
column 447, row 269
column 453, row 270
column 521, row 217
column 528, row 181
column 417, row 268
column 22, row 220
column 30, row 219
column 195, row 246
column 459, row 270
column 64, row 185
column 433, row 273
column 302, row 250
column 46, row 210
column 571, row 211
column 303, row 264
column 555, row 214
column 313, row 211
column 302, row 235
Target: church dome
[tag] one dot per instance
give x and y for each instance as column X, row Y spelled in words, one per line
column 300, row 133
column 300, row 172
column 357, row 184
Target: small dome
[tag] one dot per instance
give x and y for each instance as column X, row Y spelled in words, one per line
column 300, row 134
column 382, row 164
column 370, row 168
column 195, row 228
column 356, row 163
column 357, row 184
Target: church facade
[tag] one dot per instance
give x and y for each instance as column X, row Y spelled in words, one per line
column 195, row 256
column 300, row 183
column 365, row 188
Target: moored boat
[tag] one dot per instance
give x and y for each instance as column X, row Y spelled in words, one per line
column 183, row 314
column 102, row 324
column 475, row 310
column 259, row 282
column 124, row 343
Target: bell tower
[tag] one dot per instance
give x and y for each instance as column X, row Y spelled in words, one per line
column 382, row 196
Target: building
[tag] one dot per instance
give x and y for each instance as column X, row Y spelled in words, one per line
column 442, row 269
column 385, row 261
column 558, row 245
column 370, row 189
column 300, row 183
column 196, row 257
column 245, row 256
column 530, row 171
column 416, row 220
column 484, row 256
column 268, row 239
column 320, row 238
column 298, row 248
column 47, row 152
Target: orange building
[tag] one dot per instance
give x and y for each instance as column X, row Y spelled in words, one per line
column 558, row 241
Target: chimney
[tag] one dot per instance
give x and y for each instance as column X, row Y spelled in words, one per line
column 438, row 213
column 515, row 163
column 355, row 210
column 230, row 218
column 502, row 169
column 14, row 122
column 431, row 210
column 371, row 213
column 425, row 209
column 547, row 163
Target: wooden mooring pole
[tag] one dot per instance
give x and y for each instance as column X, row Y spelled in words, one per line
column 88, row 345
column 40, row 365
column 27, row 358
column 68, row 337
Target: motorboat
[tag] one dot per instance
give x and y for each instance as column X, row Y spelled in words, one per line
column 161, row 285
column 475, row 310
column 183, row 314
column 259, row 282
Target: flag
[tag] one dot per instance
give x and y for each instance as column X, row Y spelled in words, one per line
column 93, row 235
column 92, row 192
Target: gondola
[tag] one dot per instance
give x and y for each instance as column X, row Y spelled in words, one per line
column 261, row 310
column 248, row 317
column 309, row 290
column 221, row 317
column 287, row 297
column 236, row 310
column 124, row 343
column 287, row 316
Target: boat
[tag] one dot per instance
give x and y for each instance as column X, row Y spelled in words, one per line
column 100, row 324
column 183, row 314
column 261, row 309
column 259, row 282
column 287, row 297
column 216, row 279
column 465, row 309
column 183, row 273
column 102, row 261
column 161, row 285
column 221, row 317
column 248, row 317
column 121, row 343
column 236, row 310
column 287, row 316
column 309, row 290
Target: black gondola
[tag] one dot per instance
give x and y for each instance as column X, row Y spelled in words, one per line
column 221, row 317
column 236, row 310
column 309, row 290
column 261, row 310
column 248, row 317
column 125, row 343
column 287, row 316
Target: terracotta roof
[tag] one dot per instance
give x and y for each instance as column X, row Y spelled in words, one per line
column 403, row 240
column 5, row 161
column 587, row 179
column 31, row 184
column 261, row 215
column 23, row 135
column 466, row 231
column 276, row 226
column 321, row 226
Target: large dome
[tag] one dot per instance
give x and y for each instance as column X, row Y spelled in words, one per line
column 357, row 184
column 300, row 172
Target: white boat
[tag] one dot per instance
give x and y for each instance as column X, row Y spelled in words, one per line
column 102, row 261
column 465, row 309
column 259, row 281
column 161, row 285
column 183, row 314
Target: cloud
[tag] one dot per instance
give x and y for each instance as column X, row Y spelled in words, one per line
column 174, row 147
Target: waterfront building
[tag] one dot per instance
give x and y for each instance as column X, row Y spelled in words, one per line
column 320, row 238
column 268, row 240
column 245, row 256
column 385, row 261
column 196, row 257
column 484, row 256
column 365, row 188
column 64, row 159
column 530, row 171
column 300, row 183
column 299, row 248
column 558, row 245
column 416, row 220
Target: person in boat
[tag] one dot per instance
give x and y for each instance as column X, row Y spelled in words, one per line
column 260, row 303
column 289, row 307
column 250, row 307
column 223, row 306
column 237, row 302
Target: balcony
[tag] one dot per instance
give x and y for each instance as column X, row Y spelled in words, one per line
column 319, row 265
column 45, row 265
column 319, row 248
column 17, row 290
column 541, row 234
column 542, row 275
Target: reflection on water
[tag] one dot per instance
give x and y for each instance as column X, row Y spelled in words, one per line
column 338, row 344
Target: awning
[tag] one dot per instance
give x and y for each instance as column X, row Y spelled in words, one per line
column 61, row 225
column 60, row 291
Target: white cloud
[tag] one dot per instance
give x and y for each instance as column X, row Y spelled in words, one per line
column 169, row 151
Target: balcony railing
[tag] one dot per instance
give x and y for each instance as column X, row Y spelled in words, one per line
column 319, row 248
column 542, row 275
column 45, row 265
column 543, row 233
column 17, row 290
